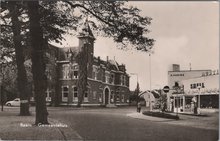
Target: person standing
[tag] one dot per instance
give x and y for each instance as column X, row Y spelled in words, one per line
column 139, row 107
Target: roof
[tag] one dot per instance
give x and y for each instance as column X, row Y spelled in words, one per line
column 155, row 93
column 189, row 70
column 109, row 64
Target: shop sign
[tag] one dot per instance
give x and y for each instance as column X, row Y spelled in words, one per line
column 204, row 91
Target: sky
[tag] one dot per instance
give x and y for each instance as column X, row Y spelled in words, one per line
column 185, row 32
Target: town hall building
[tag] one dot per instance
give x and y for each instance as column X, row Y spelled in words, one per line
column 107, row 81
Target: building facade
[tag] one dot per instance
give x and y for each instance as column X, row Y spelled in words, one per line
column 189, row 88
column 107, row 81
column 203, row 91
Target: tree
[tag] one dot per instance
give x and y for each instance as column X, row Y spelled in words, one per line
column 111, row 19
column 136, row 92
column 17, row 20
column 14, row 13
column 45, row 24
column 118, row 20
column 38, row 65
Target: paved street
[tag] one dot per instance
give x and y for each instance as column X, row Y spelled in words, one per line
column 114, row 124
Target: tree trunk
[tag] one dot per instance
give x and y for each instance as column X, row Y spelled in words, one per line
column 21, row 72
column 82, row 80
column 38, row 64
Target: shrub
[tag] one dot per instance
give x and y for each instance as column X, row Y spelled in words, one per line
column 161, row 115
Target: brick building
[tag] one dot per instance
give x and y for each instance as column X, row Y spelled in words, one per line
column 107, row 81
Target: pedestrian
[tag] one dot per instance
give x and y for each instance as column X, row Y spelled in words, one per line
column 139, row 107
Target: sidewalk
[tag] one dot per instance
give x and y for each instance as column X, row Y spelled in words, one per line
column 14, row 127
column 210, row 122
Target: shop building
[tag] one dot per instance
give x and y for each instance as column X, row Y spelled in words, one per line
column 202, row 92
column 187, row 86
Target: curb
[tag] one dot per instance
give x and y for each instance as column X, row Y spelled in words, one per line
column 145, row 117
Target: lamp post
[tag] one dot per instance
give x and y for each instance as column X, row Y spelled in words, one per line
column 198, row 110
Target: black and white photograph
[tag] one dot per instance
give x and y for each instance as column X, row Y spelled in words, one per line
column 109, row 70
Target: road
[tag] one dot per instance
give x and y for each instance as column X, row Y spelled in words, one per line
column 114, row 124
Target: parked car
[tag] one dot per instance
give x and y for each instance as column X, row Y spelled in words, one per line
column 15, row 102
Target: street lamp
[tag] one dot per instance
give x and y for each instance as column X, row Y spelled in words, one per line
column 198, row 110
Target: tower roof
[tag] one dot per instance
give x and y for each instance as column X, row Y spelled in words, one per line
column 85, row 30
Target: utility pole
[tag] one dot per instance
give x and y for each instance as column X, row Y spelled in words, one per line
column 150, row 78
column 199, row 93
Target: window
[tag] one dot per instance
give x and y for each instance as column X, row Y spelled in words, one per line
column 203, row 86
column 48, row 72
column 117, row 98
column 75, row 93
column 112, row 96
column 112, row 78
column 107, row 77
column 86, row 94
column 94, row 95
column 117, row 95
column 95, row 73
column 48, row 94
column 122, row 79
column 66, row 71
column 75, row 69
column 86, row 97
column 100, row 97
column 65, row 92
column 75, row 74
column 123, row 98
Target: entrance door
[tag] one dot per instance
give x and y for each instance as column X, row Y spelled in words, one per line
column 106, row 96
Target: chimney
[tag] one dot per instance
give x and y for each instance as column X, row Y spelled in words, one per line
column 122, row 68
column 107, row 58
column 176, row 67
